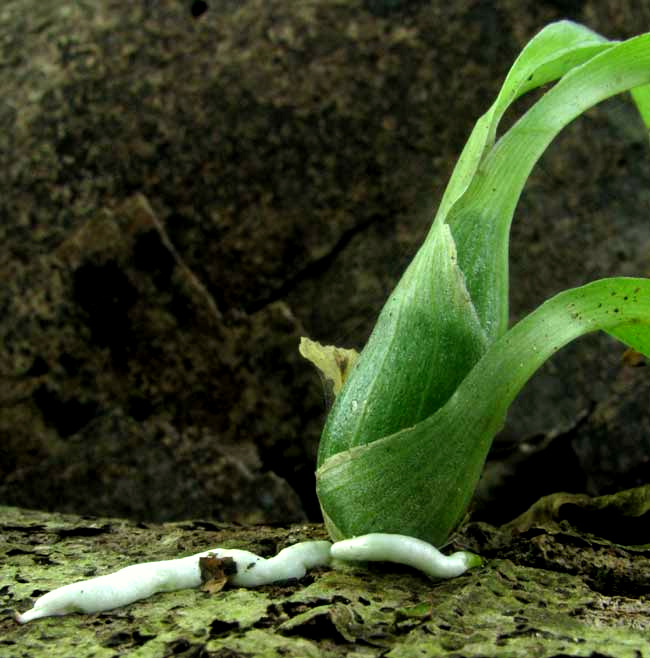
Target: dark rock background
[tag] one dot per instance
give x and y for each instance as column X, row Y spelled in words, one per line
column 186, row 192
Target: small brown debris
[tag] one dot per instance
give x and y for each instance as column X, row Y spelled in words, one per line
column 215, row 571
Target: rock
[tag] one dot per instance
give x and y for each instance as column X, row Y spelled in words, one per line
column 187, row 191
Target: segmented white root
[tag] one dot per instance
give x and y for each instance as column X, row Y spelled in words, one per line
column 384, row 547
column 140, row 581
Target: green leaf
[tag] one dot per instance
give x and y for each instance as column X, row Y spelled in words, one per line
column 419, row 481
column 480, row 219
column 641, row 98
column 548, row 56
column 427, row 336
column 425, row 340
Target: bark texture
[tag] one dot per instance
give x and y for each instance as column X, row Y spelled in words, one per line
column 185, row 193
column 569, row 578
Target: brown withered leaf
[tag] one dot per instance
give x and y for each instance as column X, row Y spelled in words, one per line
column 215, row 571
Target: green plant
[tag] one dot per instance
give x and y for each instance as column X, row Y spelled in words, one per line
column 406, row 439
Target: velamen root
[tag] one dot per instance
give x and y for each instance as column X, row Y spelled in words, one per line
column 140, row 581
column 384, row 547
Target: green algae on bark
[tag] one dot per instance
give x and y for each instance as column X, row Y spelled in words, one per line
column 509, row 607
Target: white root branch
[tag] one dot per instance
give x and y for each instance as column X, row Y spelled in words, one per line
column 384, row 547
column 140, row 581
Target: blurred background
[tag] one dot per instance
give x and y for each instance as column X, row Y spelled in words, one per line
column 188, row 187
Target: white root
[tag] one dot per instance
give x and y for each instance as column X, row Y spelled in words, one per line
column 140, row 581
column 384, row 547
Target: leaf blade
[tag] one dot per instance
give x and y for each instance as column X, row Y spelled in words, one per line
column 481, row 218
column 551, row 53
column 392, row 387
column 379, row 487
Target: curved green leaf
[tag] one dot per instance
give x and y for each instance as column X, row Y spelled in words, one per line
column 419, row 481
column 546, row 57
column 641, row 97
column 480, row 219
column 425, row 340
column 427, row 336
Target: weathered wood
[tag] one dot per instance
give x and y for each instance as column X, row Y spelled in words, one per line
column 547, row 589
